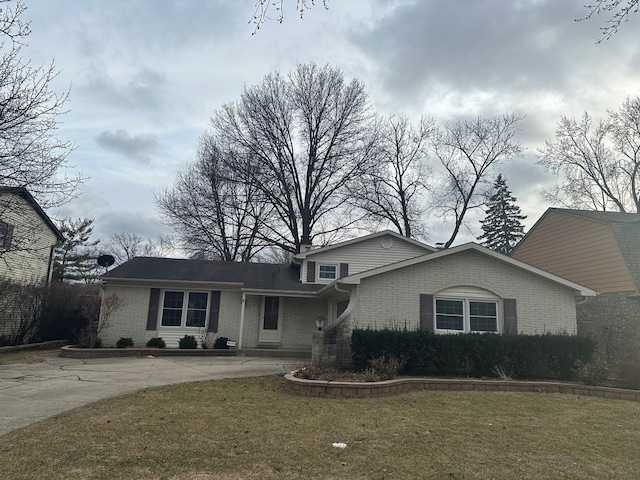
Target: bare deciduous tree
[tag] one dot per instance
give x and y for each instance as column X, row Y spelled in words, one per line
column 216, row 211
column 468, row 151
column 303, row 140
column 263, row 9
column 394, row 189
column 598, row 164
column 618, row 11
column 124, row 246
column 31, row 155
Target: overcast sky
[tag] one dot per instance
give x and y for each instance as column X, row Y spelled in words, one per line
column 146, row 76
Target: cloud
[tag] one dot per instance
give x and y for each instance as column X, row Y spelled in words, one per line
column 138, row 147
column 430, row 48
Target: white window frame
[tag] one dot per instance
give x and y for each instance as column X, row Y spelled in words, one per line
column 327, row 279
column 185, row 309
column 466, row 314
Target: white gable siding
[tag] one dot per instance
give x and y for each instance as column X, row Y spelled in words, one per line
column 393, row 298
column 365, row 255
column 28, row 258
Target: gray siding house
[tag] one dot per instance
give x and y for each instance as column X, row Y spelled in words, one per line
column 376, row 281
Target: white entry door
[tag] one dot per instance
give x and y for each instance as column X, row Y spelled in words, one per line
column 270, row 320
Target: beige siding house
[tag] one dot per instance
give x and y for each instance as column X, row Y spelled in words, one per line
column 377, row 281
column 27, row 238
column 602, row 251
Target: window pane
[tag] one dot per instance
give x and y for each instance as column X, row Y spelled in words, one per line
column 197, row 309
column 196, row 318
column 271, row 308
column 449, row 315
column 173, row 299
column 327, row 272
column 172, row 309
column 198, row 300
column 171, row 317
column 484, row 317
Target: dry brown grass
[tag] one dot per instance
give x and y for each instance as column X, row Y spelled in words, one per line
column 24, row 356
column 251, row 429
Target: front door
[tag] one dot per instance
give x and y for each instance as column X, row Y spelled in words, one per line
column 270, row 320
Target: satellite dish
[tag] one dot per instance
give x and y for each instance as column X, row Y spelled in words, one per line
column 106, row 260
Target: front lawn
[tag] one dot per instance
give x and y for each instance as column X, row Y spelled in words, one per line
column 25, row 356
column 251, row 429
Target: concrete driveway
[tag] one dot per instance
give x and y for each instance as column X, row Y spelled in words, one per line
column 32, row 392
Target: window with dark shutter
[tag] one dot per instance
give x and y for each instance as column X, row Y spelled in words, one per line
column 214, row 312
column 6, row 235
column 152, row 315
column 426, row 312
column 311, row 272
column 510, row 316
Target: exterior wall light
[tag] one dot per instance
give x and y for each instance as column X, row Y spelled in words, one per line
column 320, row 321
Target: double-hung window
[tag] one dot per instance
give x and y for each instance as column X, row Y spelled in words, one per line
column 327, row 272
column 184, row 309
column 466, row 315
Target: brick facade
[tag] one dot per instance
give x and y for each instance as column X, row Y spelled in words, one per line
column 613, row 321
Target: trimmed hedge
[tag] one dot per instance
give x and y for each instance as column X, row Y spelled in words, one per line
column 540, row 357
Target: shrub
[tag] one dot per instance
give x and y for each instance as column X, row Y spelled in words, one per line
column 156, row 342
column 551, row 357
column 221, row 343
column 188, row 342
column 386, row 368
column 124, row 342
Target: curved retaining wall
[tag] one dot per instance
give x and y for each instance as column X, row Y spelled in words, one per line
column 72, row 351
column 330, row 389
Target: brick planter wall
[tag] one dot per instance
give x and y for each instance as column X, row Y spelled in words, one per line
column 330, row 389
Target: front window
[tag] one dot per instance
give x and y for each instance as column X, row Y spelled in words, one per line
column 327, row 272
column 464, row 315
column 176, row 312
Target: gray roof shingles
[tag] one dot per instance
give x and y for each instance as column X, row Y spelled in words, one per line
column 258, row 276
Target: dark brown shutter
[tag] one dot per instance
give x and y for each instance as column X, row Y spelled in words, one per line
column 426, row 312
column 311, row 272
column 214, row 312
column 8, row 237
column 344, row 270
column 510, row 316
column 154, row 304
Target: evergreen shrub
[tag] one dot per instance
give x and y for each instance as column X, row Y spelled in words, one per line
column 156, row 342
column 221, row 343
column 540, row 357
column 188, row 342
column 124, row 342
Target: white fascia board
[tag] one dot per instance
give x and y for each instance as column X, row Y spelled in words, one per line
column 313, row 251
column 279, row 293
column 114, row 281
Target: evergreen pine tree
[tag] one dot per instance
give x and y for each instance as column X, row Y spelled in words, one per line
column 502, row 226
column 75, row 259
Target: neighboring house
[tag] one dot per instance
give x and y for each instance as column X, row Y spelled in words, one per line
column 27, row 238
column 380, row 280
column 600, row 250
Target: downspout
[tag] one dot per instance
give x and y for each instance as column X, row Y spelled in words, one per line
column 244, row 300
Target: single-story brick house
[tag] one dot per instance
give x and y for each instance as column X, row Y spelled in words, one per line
column 379, row 280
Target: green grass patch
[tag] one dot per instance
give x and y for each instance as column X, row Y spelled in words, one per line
column 252, row 429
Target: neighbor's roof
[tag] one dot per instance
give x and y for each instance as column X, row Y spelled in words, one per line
column 581, row 289
column 248, row 276
column 624, row 226
column 383, row 233
column 24, row 193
